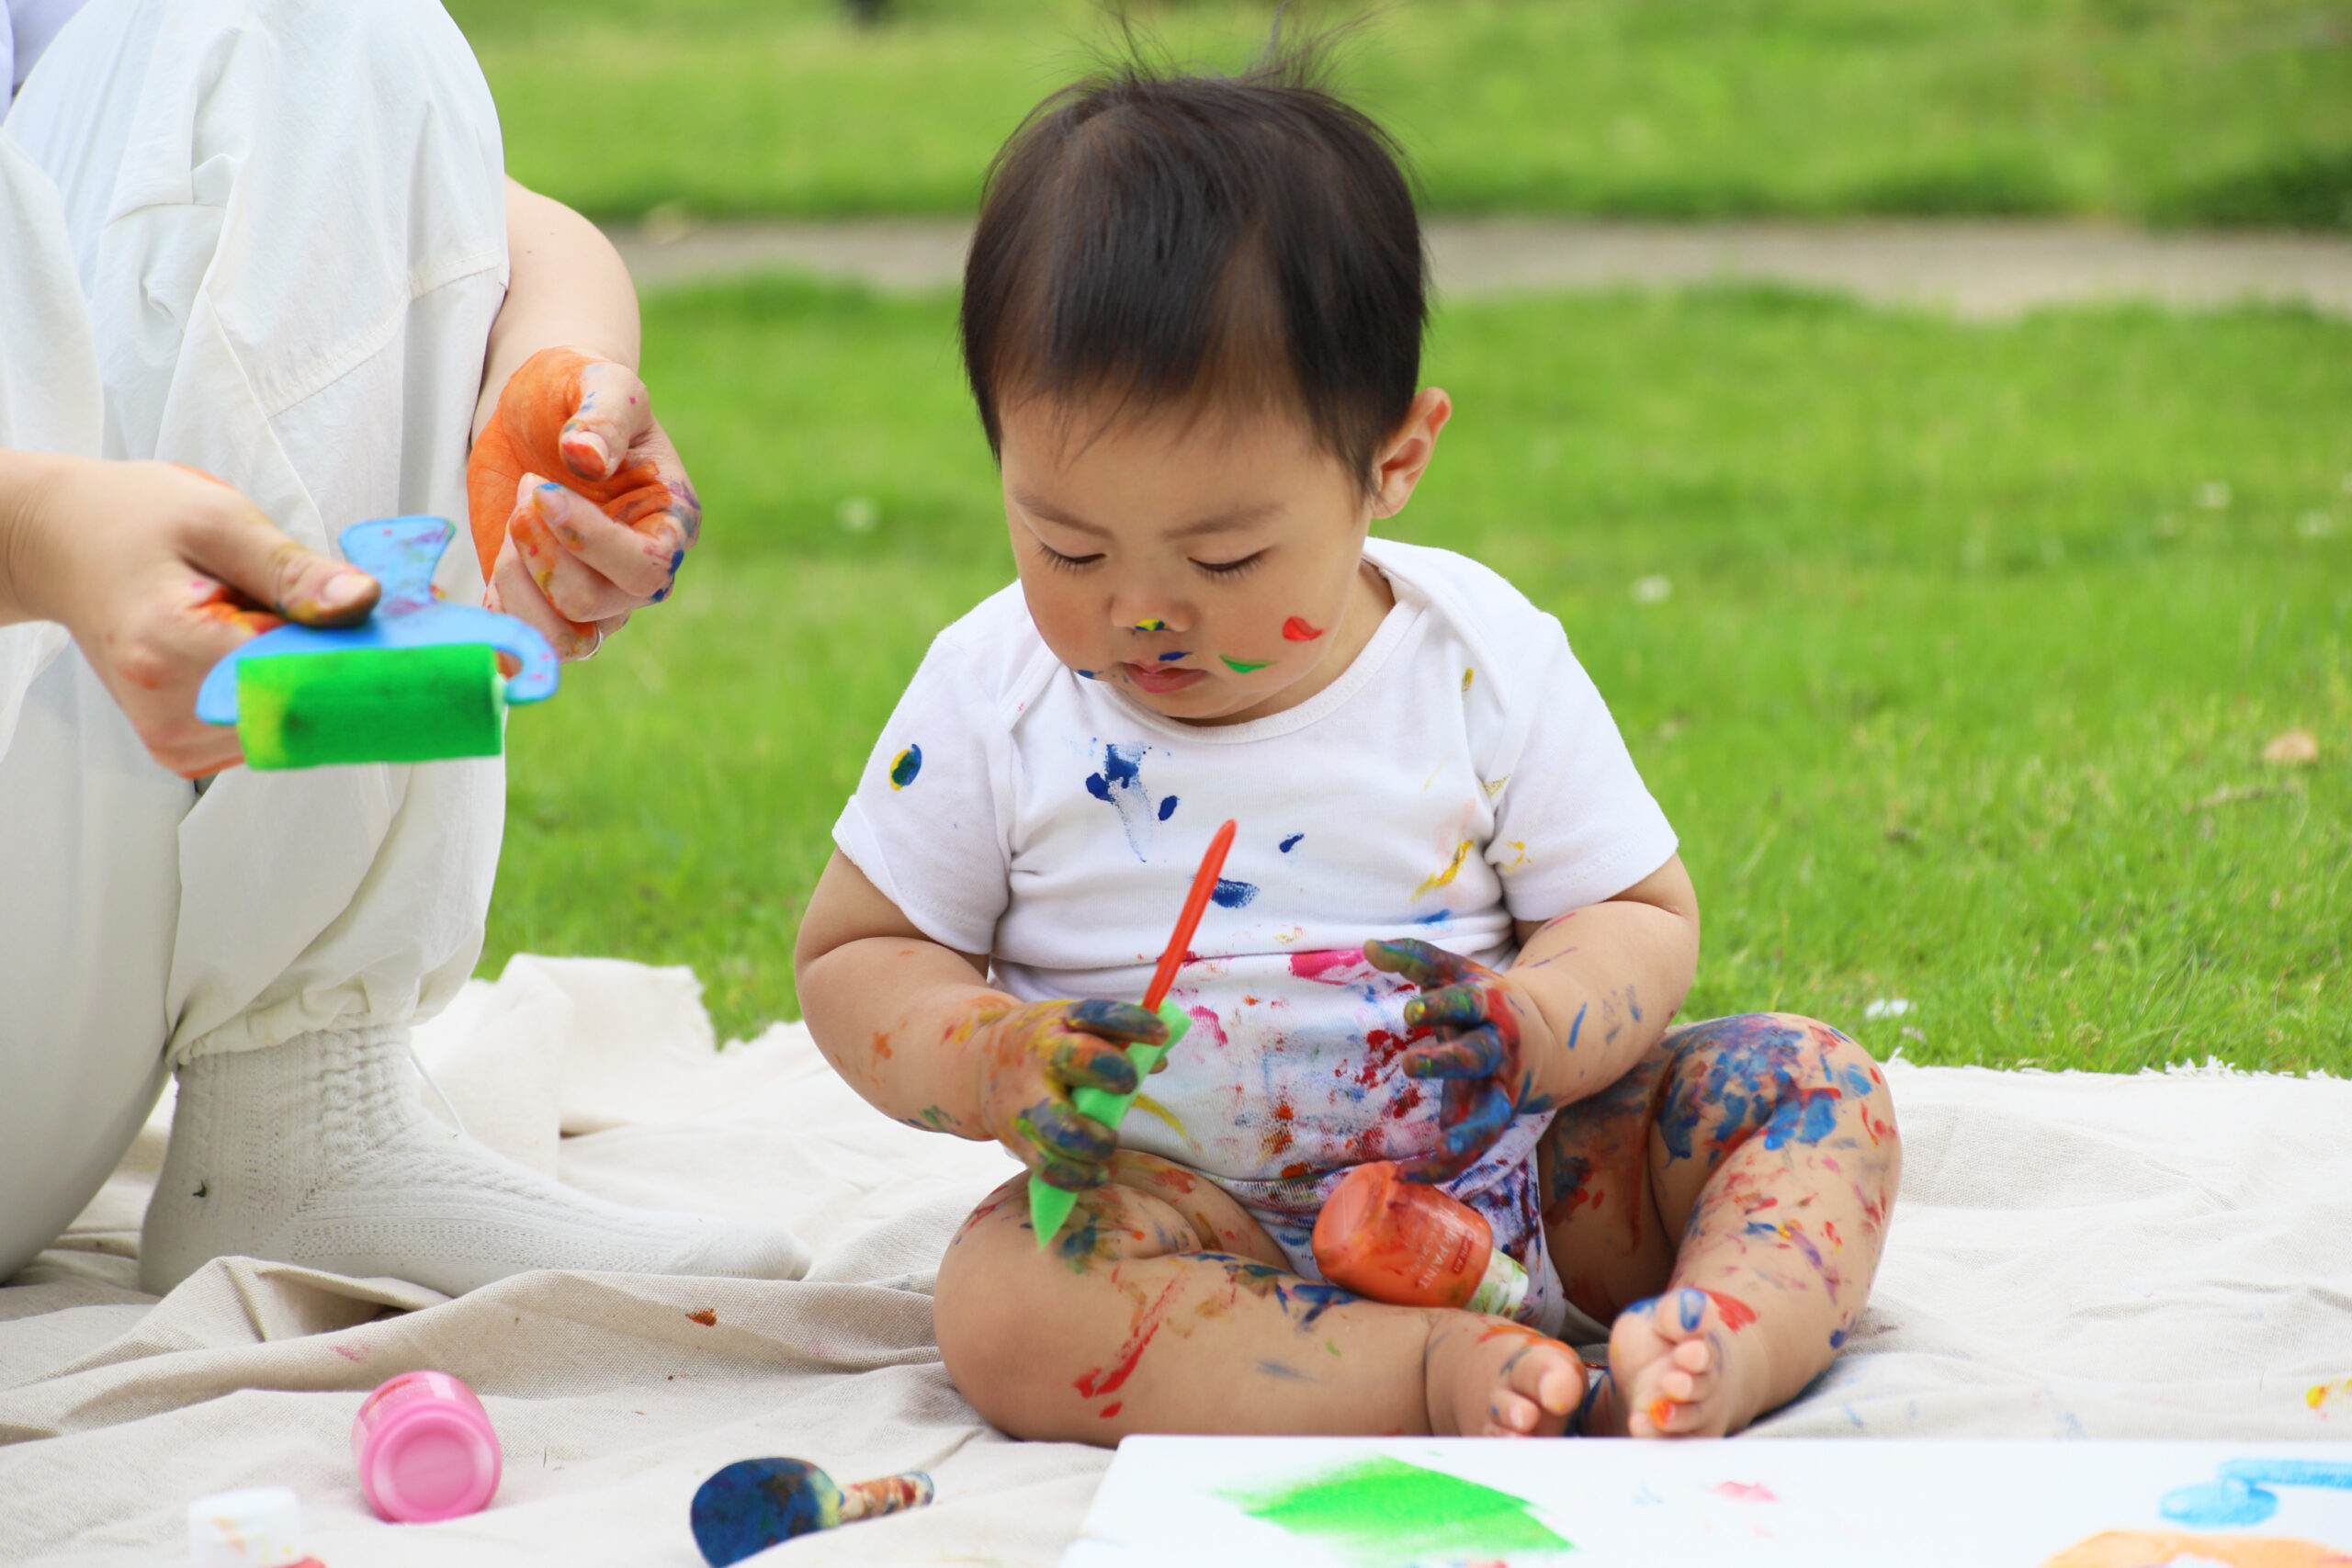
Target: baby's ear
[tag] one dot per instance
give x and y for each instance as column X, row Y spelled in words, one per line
column 1405, row 456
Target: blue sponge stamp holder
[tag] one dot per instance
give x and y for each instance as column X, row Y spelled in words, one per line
column 400, row 553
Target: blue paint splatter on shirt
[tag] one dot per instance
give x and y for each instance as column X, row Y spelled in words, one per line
column 1232, row 895
column 1292, row 843
column 1167, row 807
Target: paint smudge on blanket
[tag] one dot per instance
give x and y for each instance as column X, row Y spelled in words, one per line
column 1385, row 1513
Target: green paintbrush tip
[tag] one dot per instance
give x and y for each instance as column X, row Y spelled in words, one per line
column 372, row 705
column 1049, row 1205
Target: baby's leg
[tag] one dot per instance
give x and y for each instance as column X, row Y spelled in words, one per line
column 1723, row 1205
column 1163, row 1306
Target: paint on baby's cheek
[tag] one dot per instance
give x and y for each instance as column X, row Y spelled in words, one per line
column 1297, row 629
column 905, row 766
column 1242, row 666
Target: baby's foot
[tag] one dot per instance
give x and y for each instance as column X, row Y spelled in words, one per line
column 1489, row 1377
column 1673, row 1372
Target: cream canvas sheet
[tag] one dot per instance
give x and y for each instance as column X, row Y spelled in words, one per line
column 2160, row 1256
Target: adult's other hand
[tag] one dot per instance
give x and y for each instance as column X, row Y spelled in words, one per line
column 582, row 512
column 159, row 571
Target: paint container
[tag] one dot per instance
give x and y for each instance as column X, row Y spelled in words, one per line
column 1411, row 1244
column 260, row 1526
column 424, row 1449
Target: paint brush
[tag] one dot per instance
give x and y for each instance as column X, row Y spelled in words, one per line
column 1049, row 1205
column 416, row 681
column 754, row 1503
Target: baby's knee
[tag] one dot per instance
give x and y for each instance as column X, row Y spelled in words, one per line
column 1792, row 1078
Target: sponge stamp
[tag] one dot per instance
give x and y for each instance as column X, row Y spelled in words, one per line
column 372, row 705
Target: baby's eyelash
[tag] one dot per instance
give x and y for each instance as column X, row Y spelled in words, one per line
column 1231, row 568
column 1061, row 562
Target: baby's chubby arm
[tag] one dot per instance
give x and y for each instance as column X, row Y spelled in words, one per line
column 917, row 1030
column 1591, row 991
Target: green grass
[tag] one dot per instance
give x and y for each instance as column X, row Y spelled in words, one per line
column 2232, row 111
column 1958, row 696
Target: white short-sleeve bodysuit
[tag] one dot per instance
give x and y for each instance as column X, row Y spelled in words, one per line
column 1462, row 773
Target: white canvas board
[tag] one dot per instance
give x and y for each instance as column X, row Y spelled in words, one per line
column 1819, row 1502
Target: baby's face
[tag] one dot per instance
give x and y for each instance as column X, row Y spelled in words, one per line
column 1210, row 565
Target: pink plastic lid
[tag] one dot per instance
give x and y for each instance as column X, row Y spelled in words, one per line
column 428, row 1457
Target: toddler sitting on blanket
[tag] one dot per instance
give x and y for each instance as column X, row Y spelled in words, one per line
column 1452, row 933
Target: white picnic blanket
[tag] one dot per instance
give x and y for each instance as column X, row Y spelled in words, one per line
column 2166, row 1254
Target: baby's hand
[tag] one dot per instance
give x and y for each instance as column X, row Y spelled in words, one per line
column 1476, row 1052
column 580, row 510
column 1031, row 1058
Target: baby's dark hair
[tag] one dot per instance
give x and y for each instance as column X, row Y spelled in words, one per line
column 1162, row 240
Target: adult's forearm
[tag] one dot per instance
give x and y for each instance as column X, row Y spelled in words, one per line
column 567, row 288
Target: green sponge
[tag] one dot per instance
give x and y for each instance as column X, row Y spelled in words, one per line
column 372, row 705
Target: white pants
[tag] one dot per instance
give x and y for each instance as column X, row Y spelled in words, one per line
column 285, row 221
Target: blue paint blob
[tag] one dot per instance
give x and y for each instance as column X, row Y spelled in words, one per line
column 1168, row 808
column 2241, row 1496
column 1171, row 658
column 905, row 766
column 1691, row 1306
column 1434, row 918
column 1292, row 843
column 1837, row 1341
column 1232, row 895
column 1089, row 674
column 755, row 1502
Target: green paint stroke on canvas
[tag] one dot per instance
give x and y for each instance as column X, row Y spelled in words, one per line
column 1383, row 1513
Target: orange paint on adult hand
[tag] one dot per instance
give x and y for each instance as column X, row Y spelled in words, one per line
column 533, row 430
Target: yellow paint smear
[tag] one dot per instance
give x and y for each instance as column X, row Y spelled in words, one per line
column 1453, row 869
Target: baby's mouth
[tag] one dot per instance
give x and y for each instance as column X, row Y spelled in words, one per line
column 1161, row 679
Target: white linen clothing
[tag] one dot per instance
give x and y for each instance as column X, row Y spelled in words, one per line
column 31, row 25
column 266, row 239
column 1462, row 772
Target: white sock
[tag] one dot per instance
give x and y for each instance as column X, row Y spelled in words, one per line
column 316, row 1152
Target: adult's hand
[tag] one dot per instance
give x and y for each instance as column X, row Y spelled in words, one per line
column 159, row 571
column 582, row 512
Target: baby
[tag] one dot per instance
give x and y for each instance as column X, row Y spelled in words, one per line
column 1451, row 932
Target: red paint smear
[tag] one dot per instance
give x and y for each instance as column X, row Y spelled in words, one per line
column 1746, row 1492
column 1091, row 1384
column 1112, row 1408
column 1318, row 965
column 1295, row 629
column 707, row 1318
column 1738, row 1314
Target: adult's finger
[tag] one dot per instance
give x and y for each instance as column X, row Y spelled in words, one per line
column 599, row 560
column 548, row 520
column 513, row 592
column 610, row 415
column 241, row 548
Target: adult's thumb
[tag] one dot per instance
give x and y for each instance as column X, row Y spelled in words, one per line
column 253, row 559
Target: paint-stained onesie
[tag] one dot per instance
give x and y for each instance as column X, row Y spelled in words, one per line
column 1462, row 772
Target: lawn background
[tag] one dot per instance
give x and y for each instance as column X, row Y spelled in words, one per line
column 2198, row 111
column 1975, row 636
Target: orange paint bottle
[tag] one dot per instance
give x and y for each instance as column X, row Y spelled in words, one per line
column 1411, row 1244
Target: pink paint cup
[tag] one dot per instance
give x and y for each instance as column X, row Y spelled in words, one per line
column 424, row 1449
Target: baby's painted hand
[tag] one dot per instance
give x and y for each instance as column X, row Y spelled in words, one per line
column 580, row 511
column 1476, row 1031
column 1029, row 1061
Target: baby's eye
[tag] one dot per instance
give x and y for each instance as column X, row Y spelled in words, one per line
column 1231, row 568
column 1061, row 562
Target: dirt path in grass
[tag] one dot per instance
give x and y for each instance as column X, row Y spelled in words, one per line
column 1974, row 268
